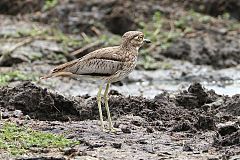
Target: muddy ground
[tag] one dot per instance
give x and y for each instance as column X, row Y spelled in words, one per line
column 181, row 102
column 194, row 123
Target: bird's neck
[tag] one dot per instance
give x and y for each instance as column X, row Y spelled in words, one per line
column 131, row 52
column 129, row 48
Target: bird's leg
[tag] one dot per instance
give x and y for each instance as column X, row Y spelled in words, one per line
column 107, row 107
column 99, row 106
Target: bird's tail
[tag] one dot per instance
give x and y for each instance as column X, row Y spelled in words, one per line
column 57, row 74
column 61, row 70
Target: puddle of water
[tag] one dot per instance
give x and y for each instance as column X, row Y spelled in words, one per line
column 225, row 90
column 148, row 89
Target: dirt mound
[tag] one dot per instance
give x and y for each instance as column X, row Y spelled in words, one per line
column 215, row 7
column 15, row 7
column 38, row 102
column 228, row 140
column 186, row 111
column 215, row 49
column 115, row 16
column 196, row 96
column 232, row 105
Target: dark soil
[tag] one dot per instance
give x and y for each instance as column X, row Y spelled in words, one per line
column 215, row 7
column 183, row 114
column 192, row 123
column 184, row 110
column 15, row 7
column 38, row 103
column 216, row 49
column 212, row 45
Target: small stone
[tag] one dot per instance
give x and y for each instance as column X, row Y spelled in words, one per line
column 114, row 92
column 187, row 148
column 126, row 130
column 158, row 123
column 95, row 144
column 196, row 152
column 150, row 130
column 17, row 113
column 136, row 122
column 69, row 151
column 142, row 141
column 116, row 125
column 5, row 115
column 213, row 158
column 117, row 145
column 227, row 129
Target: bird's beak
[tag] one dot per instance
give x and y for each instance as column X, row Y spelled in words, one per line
column 146, row 40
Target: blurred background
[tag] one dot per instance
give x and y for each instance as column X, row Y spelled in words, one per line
column 192, row 40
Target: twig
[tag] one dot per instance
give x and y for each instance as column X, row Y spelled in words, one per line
column 7, row 54
column 96, row 31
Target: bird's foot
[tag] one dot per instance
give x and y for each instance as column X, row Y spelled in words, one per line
column 105, row 130
column 112, row 130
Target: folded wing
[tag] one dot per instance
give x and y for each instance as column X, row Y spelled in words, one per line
column 102, row 62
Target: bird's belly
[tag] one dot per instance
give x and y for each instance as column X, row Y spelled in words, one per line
column 121, row 74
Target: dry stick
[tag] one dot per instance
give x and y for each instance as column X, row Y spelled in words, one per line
column 6, row 54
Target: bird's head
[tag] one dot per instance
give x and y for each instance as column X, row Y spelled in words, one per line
column 134, row 39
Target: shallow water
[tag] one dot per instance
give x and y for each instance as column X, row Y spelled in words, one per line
column 151, row 83
column 148, row 89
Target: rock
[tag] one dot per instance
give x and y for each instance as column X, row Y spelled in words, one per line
column 85, row 158
column 205, row 123
column 187, row 148
column 227, row 129
column 17, row 113
column 69, row 151
column 5, row 115
column 222, row 52
column 142, row 141
column 95, row 144
column 117, row 145
column 150, row 130
column 228, row 140
column 183, row 126
column 34, row 101
column 126, row 129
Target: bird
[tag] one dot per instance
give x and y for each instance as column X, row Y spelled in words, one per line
column 110, row 64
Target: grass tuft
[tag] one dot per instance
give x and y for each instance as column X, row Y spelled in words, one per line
column 17, row 140
column 7, row 77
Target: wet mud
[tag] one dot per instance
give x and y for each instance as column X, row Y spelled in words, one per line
column 195, row 112
column 38, row 103
column 167, row 116
column 215, row 49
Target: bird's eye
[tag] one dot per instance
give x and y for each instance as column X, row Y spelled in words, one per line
column 140, row 38
column 136, row 38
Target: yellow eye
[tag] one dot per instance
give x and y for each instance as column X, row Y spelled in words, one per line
column 140, row 38
column 136, row 38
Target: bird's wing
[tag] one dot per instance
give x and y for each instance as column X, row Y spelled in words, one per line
column 102, row 62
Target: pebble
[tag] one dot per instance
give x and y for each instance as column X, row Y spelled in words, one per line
column 126, row 130
column 117, row 145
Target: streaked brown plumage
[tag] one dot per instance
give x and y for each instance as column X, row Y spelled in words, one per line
column 110, row 64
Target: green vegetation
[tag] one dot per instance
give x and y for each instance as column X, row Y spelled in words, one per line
column 49, row 4
column 7, row 77
column 160, row 36
column 51, row 34
column 164, row 30
column 17, row 140
column 113, row 40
